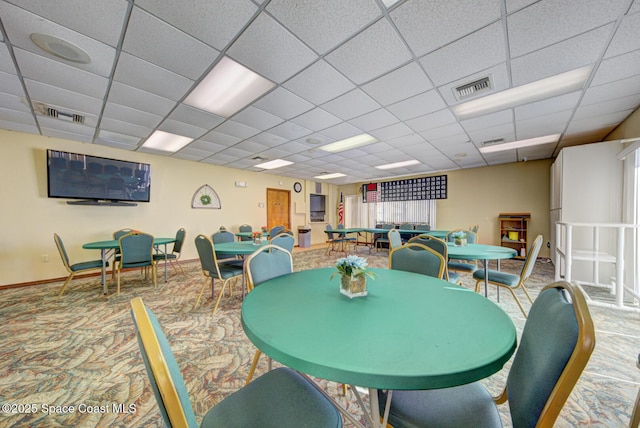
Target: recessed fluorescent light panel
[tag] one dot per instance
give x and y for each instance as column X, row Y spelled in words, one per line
column 228, row 88
column 520, row 144
column 166, row 141
column 398, row 164
column 276, row 163
column 329, row 176
column 534, row 91
column 349, row 143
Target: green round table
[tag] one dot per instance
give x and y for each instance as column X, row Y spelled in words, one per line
column 481, row 252
column 410, row 332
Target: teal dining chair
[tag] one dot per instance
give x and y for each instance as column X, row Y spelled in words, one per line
column 219, row 237
column 213, row 270
column 136, row 251
column 395, row 240
column 556, row 344
column 511, row 281
column 270, row 261
column 284, row 240
column 468, row 266
column 73, row 268
column 381, row 239
column 417, row 258
column 335, row 241
column 174, row 256
column 279, row 398
column 245, row 228
column 406, row 226
column 439, row 246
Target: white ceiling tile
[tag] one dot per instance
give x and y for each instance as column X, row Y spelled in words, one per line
column 210, row 146
column 60, row 133
column 550, row 105
column 319, row 83
column 559, row 58
column 421, row 104
column 427, row 26
column 626, row 38
column 506, row 131
column 20, row 24
column 181, row 128
column 6, row 62
column 159, row 43
column 125, row 128
column 546, row 23
column 611, row 91
column 374, row 120
column 342, row 130
column 375, row 51
column 270, row 50
column 543, row 125
column 251, row 146
column 316, row 120
column 606, row 107
column 268, row 139
column 117, row 140
column 74, row 102
column 283, row 103
column 8, row 115
column 136, row 72
column 196, row 117
column 616, row 68
column 139, row 100
column 488, row 120
column 236, row 129
column 351, row 104
column 324, row 25
column 56, row 73
column 602, row 121
column 444, row 131
column 201, row 18
column 398, row 85
column 514, row 5
column 94, row 18
column 14, row 102
column 480, row 50
column 256, row 118
column 126, row 114
column 431, row 120
column 392, row 131
column 10, row 84
column 290, row 131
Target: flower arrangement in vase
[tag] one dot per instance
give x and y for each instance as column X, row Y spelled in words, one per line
column 257, row 237
column 353, row 276
column 459, row 238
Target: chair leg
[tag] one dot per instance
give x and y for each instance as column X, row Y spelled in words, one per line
column 224, row 285
column 118, row 275
column 526, row 293
column 154, row 274
column 513, row 293
column 69, row 278
column 204, row 284
column 254, row 364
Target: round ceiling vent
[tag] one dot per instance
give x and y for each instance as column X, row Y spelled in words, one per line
column 60, row 48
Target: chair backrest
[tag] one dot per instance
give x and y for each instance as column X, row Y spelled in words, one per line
column 222, row 236
column 530, row 261
column 329, row 234
column 474, row 228
column 136, row 248
column 395, row 240
column 245, row 228
column 406, row 226
column 276, row 230
column 472, row 237
column 557, row 341
column 423, row 226
column 284, row 240
column 120, row 233
column 417, row 258
column 163, row 371
column 207, row 255
column 63, row 252
column 180, row 236
column 269, row 261
column 436, row 244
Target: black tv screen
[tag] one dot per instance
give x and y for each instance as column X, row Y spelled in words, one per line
column 93, row 178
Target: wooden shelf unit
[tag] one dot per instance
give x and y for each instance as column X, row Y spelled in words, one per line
column 513, row 229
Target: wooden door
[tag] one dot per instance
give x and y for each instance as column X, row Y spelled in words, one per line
column 278, row 208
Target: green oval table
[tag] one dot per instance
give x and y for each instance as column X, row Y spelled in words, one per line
column 410, row 332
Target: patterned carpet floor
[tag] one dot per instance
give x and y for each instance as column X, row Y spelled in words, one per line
column 81, row 351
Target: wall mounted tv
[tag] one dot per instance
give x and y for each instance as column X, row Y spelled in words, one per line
column 93, row 180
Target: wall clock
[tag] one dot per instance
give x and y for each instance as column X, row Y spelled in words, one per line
column 297, row 187
column 206, row 197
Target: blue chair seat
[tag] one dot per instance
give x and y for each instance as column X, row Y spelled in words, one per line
column 442, row 406
column 454, row 277
column 93, row 264
column 508, row 279
column 229, row 270
column 462, row 267
column 160, row 257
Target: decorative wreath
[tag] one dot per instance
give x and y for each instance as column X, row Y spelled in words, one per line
column 205, row 199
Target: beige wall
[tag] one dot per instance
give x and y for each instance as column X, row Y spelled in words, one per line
column 630, row 128
column 29, row 217
column 479, row 195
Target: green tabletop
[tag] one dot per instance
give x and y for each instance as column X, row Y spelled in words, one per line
column 411, row 331
column 249, row 234
column 480, row 252
column 114, row 243
column 238, row 247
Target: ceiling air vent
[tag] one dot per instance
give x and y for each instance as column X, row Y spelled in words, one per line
column 470, row 89
column 49, row 111
column 492, row 142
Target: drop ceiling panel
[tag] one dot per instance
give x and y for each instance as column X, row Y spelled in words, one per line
column 6, row 62
column 324, row 25
column 617, row 68
column 267, row 139
column 421, row 104
column 9, row 115
column 606, row 107
column 14, row 103
column 626, row 38
column 374, row 120
column 125, row 128
column 545, row 22
column 10, row 84
column 283, row 103
column 316, row 119
column 18, row 126
column 126, row 114
column 431, row 120
column 611, row 91
column 181, row 128
column 256, row 118
column 477, row 51
column 351, row 104
column 117, row 140
column 62, row 98
column 195, row 17
column 373, row 52
column 447, row 21
column 193, row 116
column 544, row 107
column 290, row 131
column 269, row 49
column 392, row 131
column 319, row 83
column 139, row 100
column 236, row 129
column 159, row 43
column 398, row 85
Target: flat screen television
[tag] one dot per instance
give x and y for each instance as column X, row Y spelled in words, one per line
column 92, row 179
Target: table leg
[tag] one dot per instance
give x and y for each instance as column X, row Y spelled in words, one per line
column 485, row 265
column 166, row 261
column 498, row 288
column 103, row 255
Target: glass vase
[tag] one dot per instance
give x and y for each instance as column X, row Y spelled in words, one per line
column 353, row 286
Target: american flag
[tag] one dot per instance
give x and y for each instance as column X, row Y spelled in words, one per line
column 341, row 211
